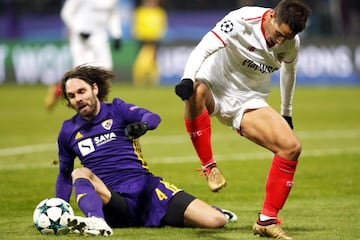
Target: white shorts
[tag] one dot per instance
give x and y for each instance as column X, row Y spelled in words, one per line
column 230, row 107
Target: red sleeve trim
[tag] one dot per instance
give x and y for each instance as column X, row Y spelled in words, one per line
column 219, row 38
column 249, row 19
column 263, row 30
column 262, row 23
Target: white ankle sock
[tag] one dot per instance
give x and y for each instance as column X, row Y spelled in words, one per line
column 264, row 217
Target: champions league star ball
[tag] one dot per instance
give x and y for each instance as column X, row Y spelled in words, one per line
column 50, row 216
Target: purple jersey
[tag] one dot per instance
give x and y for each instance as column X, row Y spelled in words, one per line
column 102, row 146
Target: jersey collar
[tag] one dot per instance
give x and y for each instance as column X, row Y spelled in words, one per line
column 263, row 30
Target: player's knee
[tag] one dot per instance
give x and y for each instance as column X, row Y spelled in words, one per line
column 219, row 221
column 81, row 173
column 216, row 221
column 293, row 149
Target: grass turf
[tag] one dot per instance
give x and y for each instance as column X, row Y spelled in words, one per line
column 324, row 203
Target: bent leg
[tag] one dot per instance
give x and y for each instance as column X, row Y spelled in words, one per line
column 201, row 215
column 185, row 210
column 267, row 128
column 198, row 125
column 90, row 192
column 197, row 122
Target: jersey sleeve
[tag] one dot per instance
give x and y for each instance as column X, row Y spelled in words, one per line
column 209, row 44
column 132, row 113
column 63, row 186
column 212, row 42
column 293, row 51
column 288, row 78
column 225, row 32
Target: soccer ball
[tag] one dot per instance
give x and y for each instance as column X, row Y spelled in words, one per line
column 50, row 216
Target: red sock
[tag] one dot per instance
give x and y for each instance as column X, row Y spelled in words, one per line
column 278, row 185
column 199, row 130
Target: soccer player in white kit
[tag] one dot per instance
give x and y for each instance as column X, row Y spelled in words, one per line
column 228, row 75
column 90, row 24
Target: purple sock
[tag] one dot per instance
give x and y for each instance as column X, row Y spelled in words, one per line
column 87, row 198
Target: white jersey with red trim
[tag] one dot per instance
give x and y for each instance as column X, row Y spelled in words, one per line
column 234, row 58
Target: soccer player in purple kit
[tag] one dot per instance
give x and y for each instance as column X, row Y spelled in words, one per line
column 114, row 187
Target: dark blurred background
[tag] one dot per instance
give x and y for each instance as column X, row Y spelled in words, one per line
column 330, row 43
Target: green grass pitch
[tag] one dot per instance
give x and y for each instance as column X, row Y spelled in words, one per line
column 324, row 203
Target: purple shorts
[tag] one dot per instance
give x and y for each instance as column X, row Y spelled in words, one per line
column 148, row 199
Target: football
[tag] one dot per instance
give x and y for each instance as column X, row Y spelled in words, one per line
column 50, row 216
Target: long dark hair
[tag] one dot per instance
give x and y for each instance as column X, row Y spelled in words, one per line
column 90, row 74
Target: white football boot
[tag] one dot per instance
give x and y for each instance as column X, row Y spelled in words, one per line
column 230, row 216
column 89, row 225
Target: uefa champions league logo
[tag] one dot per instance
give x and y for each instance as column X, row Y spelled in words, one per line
column 227, row 26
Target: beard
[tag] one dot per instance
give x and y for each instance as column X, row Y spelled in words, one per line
column 89, row 110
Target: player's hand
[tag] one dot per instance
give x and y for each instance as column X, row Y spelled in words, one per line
column 84, row 35
column 185, row 89
column 289, row 121
column 135, row 130
column 117, row 43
